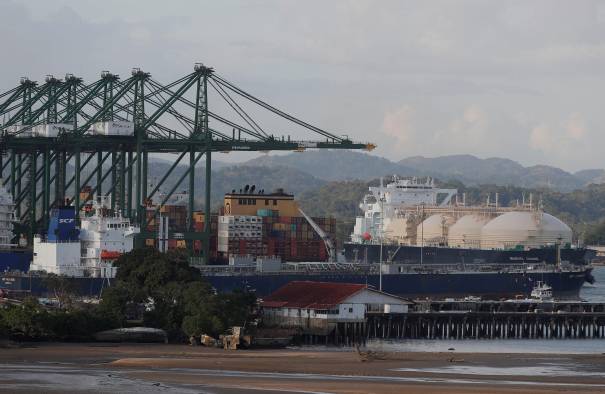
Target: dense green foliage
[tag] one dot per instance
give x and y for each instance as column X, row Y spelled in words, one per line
column 176, row 297
column 595, row 234
column 32, row 321
column 155, row 289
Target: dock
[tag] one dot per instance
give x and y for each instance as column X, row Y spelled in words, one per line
column 479, row 320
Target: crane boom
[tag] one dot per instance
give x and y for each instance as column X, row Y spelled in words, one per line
column 324, row 237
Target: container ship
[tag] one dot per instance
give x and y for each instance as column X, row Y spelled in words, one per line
column 83, row 255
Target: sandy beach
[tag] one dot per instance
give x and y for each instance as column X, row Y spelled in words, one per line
column 99, row 368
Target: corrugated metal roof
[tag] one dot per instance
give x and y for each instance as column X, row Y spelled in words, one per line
column 311, row 295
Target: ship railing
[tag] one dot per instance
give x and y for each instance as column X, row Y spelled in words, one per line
column 286, row 268
column 46, row 240
column 482, row 267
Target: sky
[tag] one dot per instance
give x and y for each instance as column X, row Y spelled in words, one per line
column 516, row 79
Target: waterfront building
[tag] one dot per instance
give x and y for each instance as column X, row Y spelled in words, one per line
column 317, row 307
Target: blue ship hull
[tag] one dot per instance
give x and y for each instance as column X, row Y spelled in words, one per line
column 493, row 285
column 36, row 285
column 370, row 253
column 15, row 260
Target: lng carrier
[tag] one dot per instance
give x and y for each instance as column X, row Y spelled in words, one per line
column 413, row 240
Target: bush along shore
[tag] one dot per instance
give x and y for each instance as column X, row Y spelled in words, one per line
column 152, row 289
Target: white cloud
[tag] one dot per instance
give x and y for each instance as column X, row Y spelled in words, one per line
column 564, row 141
column 541, row 138
column 398, row 124
column 411, row 131
column 576, row 127
column 471, row 128
column 454, row 75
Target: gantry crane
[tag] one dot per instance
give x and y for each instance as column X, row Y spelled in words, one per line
column 53, row 131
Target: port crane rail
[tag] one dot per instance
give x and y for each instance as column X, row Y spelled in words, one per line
column 42, row 169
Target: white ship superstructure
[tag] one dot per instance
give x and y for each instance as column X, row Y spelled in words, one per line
column 87, row 251
column 414, row 213
column 387, row 203
column 103, row 238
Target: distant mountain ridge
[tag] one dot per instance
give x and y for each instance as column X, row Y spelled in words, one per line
column 333, row 165
column 472, row 170
column 300, row 172
column 234, row 177
column 469, row 169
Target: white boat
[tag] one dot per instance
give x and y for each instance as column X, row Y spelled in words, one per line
column 542, row 292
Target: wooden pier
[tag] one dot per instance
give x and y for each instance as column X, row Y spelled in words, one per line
column 478, row 320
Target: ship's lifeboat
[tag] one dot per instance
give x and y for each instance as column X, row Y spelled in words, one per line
column 109, row 255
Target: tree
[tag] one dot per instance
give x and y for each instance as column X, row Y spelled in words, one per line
column 176, row 296
column 28, row 321
column 62, row 288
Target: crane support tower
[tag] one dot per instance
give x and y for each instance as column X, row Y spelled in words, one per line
column 60, row 135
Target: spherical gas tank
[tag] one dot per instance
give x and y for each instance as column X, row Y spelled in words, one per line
column 396, row 229
column 433, row 230
column 466, row 232
column 524, row 229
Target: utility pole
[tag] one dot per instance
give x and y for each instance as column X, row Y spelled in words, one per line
column 381, row 236
column 422, row 236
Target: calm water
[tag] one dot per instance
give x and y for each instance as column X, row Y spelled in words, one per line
column 526, row 346
column 596, row 291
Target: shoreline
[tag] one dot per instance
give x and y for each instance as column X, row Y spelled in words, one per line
column 181, row 367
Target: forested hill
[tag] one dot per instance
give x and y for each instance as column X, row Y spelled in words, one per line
column 468, row 169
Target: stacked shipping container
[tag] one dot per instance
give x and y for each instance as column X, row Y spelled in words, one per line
column 269, row 226
column 291, row 238
column 240, row 235
column 177, row 223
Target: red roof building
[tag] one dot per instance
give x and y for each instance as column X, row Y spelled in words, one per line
column 312, row 295
column 306, row 304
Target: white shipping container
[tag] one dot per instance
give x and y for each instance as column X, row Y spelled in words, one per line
column 225, row 219
column 52, row 130
column 17, row 129
column 115, row 127
column 241, row 260
column 247, row 219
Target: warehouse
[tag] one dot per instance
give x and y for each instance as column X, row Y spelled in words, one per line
column 318, row 306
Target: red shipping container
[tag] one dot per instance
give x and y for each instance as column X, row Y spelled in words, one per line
column 323, row 254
